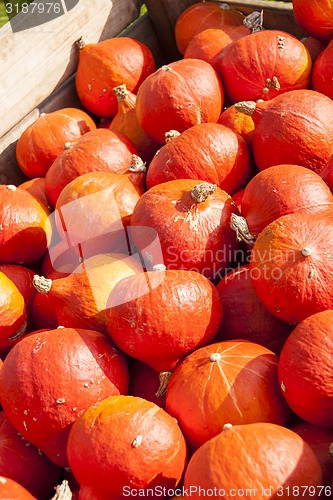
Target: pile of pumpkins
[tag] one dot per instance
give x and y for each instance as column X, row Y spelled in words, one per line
column 166, row 273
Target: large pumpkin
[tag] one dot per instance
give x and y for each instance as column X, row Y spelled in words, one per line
column 41, row 143
column 315, row 17
column 265, row 460
column 207, row 151
column 98, row 151
column 247, row 70
column 125, row 443
column 230, row 381
column 301, row 117
column 306, row 371
column 184, row 224
column 49, row 378
column 177, row 96
column 104, row 65
column 292, row 267
column 160, row 316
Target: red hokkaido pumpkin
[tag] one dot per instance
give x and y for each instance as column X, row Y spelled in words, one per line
column 144, row 382
column 173, row 312
column 94, row 210
column 322, row 73
column 273, row 461
column 22, row 277
column 24, row 463
column 104, row 65
column 126, row 122
column 36, row 187
column 80, row 298
column 125, row 443
column 247, row 71
column 316, row 17
column 320, row 440
column 98, row 151
column 13, row 315
column 185, row 225
column 236, row 380
column 207, row 151
column 282, row 190
column 305, row 369
column 43, row 140
column 238, row 122
column 201, row 16
column 25, row 228
column 302, row 117
column 244, row 315
column 292, row 268
column 11, row 490
column 49, row 378
column 177, row 96
column 327, row 173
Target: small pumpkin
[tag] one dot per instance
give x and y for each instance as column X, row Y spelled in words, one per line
column 177, row 96
column 207, row 151
column 237, row 121
column 271, row 461
column 236, row 380
column 305, row 369
column 106, row 64
column 315, row 17
column 49, row 378
column 125, row 443
column 41, row 143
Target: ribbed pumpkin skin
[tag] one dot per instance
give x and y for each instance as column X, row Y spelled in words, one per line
column 302, row 117
column 208, row 151
column 24, row 463
column 43, row 140
column 202, row 16
column 271, row 461
column 125, row 441
column 11, row 490
column 315, row 17
column 240, row 387
column 245, row 316
column 238, row 122
column 177, row 96
column 290, row 284
column 320, row 440
column 168, row 226
column 26, row 230
column 161, row 316
column 51, row 377
column 246, row 65
column 105, row 65
column 305, row 369
column 281, row 190
column 322, row 73
column 98, row 151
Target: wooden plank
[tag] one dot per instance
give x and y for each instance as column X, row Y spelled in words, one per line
column 64, row 96
column 37, row 60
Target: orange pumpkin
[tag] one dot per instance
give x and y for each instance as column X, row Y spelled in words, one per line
column 315, row 17
column 98, row 151
column 43, row 140
column 292, row 268
column 238, row 122
column 125, row 443
column 305, row 369
column 272, row 462
column 236, row 380
column 25, row 228
column 202, row 16
column 104, row 65
column 49, row 378
column 11, row 490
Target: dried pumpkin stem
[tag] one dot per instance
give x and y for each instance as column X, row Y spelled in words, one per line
column 164, row 380
column 63, row 491
column 246, row 107
column 42, row 284
column 120, row 92
column 239, row 225
column 200, row 192
column 11, row 187
column 137, row 164
column 81, row 42
column 254, row 21
column 306, row 251
column 171, row 134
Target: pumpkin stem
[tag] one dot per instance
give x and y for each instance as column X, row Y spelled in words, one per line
column 165, row 68
column 42, row 284
column 159, row 267
column 67, row 145
column 63, row 491
column 171, row 134
column 214, row 357
column 120, row 92
column 239, row 225
column 254, row 21
column 81, row 42
column 227, row 426
column 306, row 251
column 164, row 380
column 11, row 187
column 137, row 164
column 273, row 83
column 246, row 107
column 200, row 192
